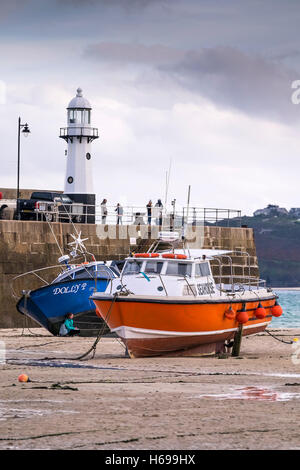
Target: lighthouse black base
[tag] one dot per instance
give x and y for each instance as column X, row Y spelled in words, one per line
column 85, row 211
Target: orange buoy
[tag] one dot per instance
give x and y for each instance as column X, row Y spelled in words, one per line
column 242, row 316
column 229, row 313
column 23, row 378
column 260, row 312
column 154, row 255
column 276, row 310
column 181, row 257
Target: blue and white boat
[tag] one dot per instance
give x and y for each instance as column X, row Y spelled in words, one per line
column 69, row 292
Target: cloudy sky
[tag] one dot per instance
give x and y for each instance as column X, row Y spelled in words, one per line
column 202, row 87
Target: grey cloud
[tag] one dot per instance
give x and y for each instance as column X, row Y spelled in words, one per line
column 127, row 4
column 8, row 7
column 224, row 75
column 134, row 53
column 232, row 78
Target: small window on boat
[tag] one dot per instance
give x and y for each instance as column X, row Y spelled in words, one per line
column 104, row 272
column 202, row 269
column 85, row 273
column 179, row 269
column 132, row 267
column 154, row 267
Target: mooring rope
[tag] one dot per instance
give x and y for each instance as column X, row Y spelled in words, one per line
column 100, row 333
column 281, row 340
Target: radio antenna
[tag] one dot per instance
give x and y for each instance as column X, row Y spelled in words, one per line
column 167, row 182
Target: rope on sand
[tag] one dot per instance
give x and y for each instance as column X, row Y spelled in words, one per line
column 281, row 340
column 100, row 333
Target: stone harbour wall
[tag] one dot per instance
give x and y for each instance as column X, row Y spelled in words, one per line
column 30, row 245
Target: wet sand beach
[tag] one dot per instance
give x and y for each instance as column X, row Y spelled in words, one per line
column 112, row 402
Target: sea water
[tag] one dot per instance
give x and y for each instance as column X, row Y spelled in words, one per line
column 290, row 303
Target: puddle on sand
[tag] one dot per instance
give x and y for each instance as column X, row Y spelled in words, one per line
column 31, row 401
column 252, row 393
column 59, row 363
column 279, row 374
column 8, row 413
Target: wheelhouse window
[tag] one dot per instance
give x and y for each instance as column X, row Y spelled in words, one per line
column 132, row 267
column 179, row 269
column 85, row 273
column 202, row 269
column 91, row 272
column 154, row 267
column 104, row 272
column 95, row 271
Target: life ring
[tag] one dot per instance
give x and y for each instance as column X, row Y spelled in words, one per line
column 181, row 257
column 142, row 255
column 174, row 256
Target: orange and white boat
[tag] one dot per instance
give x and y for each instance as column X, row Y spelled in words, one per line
column 166, row 303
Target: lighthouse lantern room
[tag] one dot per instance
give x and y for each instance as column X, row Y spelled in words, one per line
column 79, row 135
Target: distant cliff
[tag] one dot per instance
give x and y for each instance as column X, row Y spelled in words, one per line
column 277, row 241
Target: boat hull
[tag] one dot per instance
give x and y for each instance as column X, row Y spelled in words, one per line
column 162, row 327
column 49, row 305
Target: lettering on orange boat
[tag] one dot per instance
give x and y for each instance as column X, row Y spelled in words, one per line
column 207, row 288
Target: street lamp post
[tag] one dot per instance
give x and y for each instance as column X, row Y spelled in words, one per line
column 25, row 132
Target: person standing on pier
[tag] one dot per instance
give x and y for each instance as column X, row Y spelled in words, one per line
column 103, row 211
column 119, row 210
column 149, row 211
column 159, row 210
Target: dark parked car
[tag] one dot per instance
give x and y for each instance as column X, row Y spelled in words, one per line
column 45, row 205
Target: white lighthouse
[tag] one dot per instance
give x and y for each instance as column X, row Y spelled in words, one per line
column 79, row 135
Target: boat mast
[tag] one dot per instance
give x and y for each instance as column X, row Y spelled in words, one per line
column 185, row 221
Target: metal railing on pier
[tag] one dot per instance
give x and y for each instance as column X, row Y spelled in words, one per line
column 135, row 215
